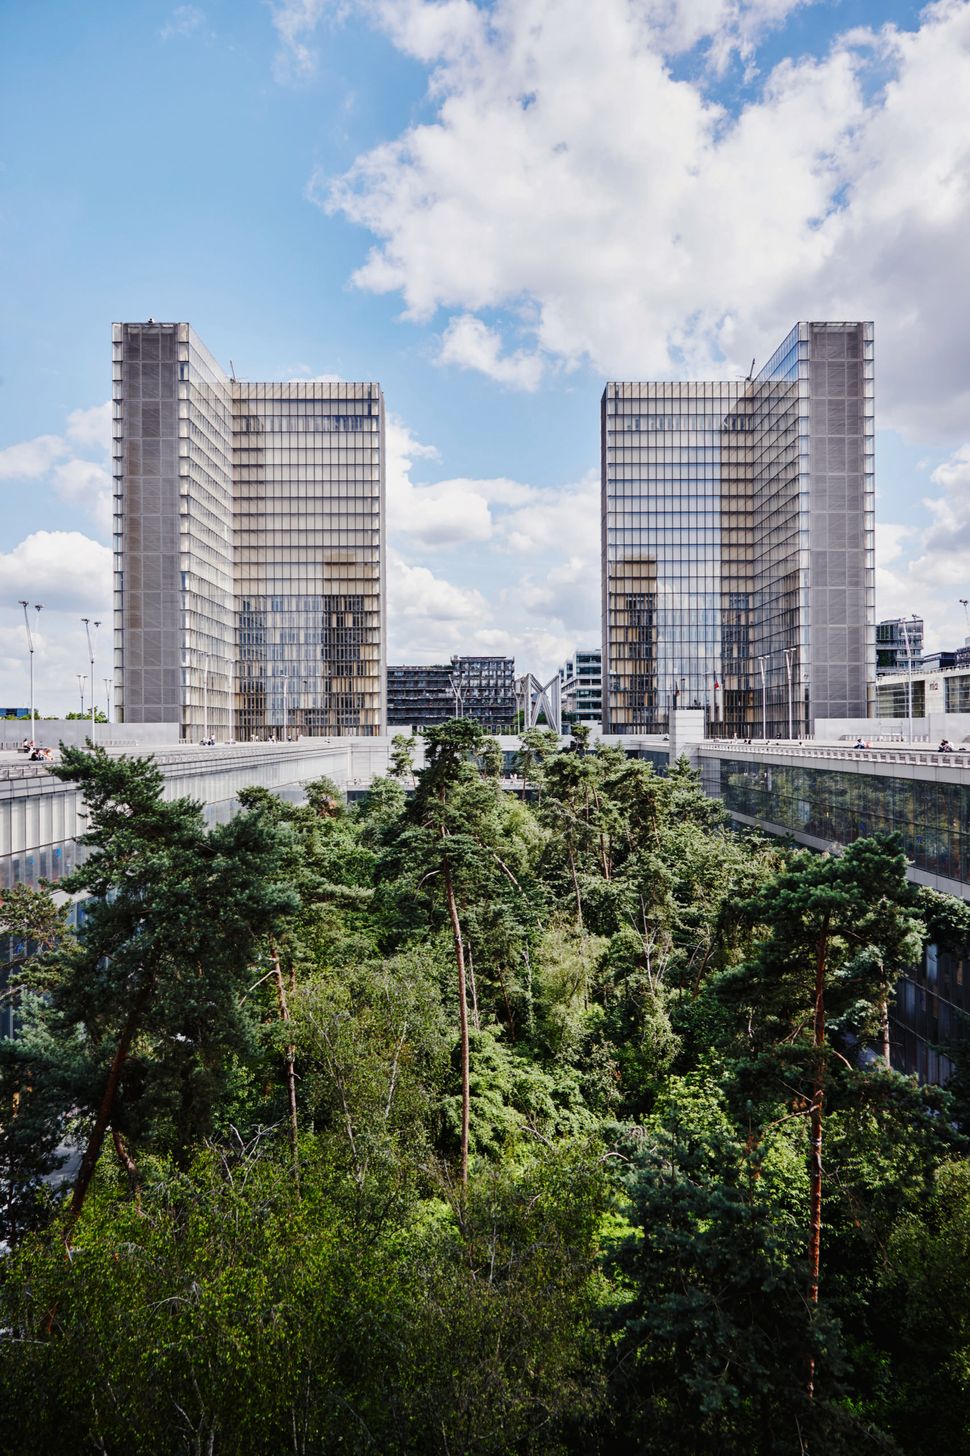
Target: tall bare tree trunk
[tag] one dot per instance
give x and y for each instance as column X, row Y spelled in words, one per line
column 129, row 1165
column 884, row 1043
column 462, row 1019
column 575, row 879
column 815, row 1153
column 95, row 1143
column 473, row 988
column 290, row 1063
column 96, row 1140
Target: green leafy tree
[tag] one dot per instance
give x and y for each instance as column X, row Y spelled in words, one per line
column 455, row 847
column 402, row 757
column 926, row 1321
column 222, row 1314
column 713, row 1330
column 438, row 811
column 835, row 934
column 33, row 1120
column 174, row 915
column 537, row 746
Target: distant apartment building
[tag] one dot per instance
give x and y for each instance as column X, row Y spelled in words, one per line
column 899, row 645
column 482, row 688
column 581, row 687
column 737, row 520
column 249, row 545
column 938, row 661
column 420, row 695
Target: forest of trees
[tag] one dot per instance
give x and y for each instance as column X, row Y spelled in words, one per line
column 454, row 1123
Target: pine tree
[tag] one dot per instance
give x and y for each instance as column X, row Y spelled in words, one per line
column 152, row 987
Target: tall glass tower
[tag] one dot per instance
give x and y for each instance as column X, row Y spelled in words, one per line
column 249, row 546
column 737, row 521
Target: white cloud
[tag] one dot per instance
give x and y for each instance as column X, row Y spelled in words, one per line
column 446, row 513
column 471, row 344
column 64, row 570
column 184, row 21
column 567, row 518
column 931, row 573
column 74, row 477
column 90, row 429
column 624, row 218
column 727, row 27
column 31, row 458
column 532, row 553
column 294, row 22
column 428, row 617
column 70, row 576
column 86, row 484
column 891, row 539
column 568, row 593
column 451, row 513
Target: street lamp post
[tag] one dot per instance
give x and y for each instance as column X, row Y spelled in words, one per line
column 205, row 700
column 88, row 624
column 38, row 608
column 789, row 655
column 81, row 680
column 286, row 706
column 764, row 698
column 107, row 698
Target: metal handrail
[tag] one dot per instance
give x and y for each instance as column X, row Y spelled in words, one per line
column 958, row 758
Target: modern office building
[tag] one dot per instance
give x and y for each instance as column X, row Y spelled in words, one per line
column 420, row 694
column 923, row 692
column 482, row 688
column 581, row 687
column 737, row 522
column 249, row 546
column 899, row 645
column 487, row 686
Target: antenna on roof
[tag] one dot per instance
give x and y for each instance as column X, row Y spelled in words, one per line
column 232, row 371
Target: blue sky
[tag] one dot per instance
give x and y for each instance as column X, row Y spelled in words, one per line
column 491, row 209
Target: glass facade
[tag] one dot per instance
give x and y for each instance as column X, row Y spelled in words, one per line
column 481, row 688
column 898, row 698
column 932, row 816
column 308, row 533
column 249, row 546
column 930, row 1014
column 675, row 521
column 957, row 693
column 737, row 528
column 173, row 588
column 37, row 837
column 946, row 691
